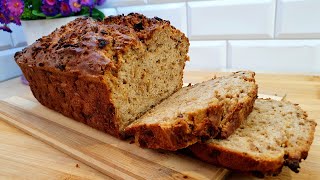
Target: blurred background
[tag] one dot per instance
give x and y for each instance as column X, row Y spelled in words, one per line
column 273, row 36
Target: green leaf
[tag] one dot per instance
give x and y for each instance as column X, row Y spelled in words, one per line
column 84, row 10
column 97, row 14
column 38, row 13
column 27, row 12
column 56, row 16
column 36, row 5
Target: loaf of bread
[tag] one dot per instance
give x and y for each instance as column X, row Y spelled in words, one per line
column 275, row 134
column 195, row 113
column 106, row 74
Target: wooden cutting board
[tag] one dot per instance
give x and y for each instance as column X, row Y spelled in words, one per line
column 113, row 157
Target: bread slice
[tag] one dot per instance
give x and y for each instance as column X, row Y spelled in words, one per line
column 209, row 109
column 276, row 133
column 108, row 73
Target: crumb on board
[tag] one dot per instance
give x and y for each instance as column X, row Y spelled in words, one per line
column 131, row 141
column 77, row 166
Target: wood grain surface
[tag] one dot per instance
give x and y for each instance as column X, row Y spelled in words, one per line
column 113, row 157
column 23, row 156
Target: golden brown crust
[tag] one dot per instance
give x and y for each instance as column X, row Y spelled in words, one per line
column 220, row 156
column 81, row 59
column 180, row 134
column 78, row 98
column 90, row 47
column 218, row 153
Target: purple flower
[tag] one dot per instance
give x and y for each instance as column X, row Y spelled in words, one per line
column 4, row 19
column 16, row 20
column 74, row 5
column 65, row 8
column 49, row 10
column 86, row 2
column 4, row 12
column 100, row 2
column 15, row 7
column 3, row 4
column 5, row 28
column 49, row 2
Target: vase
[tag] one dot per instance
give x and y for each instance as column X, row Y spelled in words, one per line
column 35, row 29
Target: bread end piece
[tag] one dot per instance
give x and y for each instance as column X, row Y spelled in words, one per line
column 268, row 140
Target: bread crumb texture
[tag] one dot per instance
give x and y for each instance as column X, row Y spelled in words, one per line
column 196, row 113
column 106, row 73
column 276, row 133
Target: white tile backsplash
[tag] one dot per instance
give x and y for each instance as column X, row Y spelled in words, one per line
column 164, row 1
column 261, row 35
column 174, row 12
column 207, row 55
column 298, row 19
column 8, row 67
column 231, row 19
column 275, row 55
column 5, row 40
column 119, row 3
column 109, row 11
column 18, row 39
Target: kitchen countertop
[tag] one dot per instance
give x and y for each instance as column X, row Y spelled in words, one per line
column 31, row 157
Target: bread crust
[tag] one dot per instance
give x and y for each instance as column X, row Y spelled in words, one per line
column 177, row 137
column 181, row 134
column 82, row 99
column 93, row 47
column 258, row 166
column 72, row 69
column 236, row 161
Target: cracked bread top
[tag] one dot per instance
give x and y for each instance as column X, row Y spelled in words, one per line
column 89, row 47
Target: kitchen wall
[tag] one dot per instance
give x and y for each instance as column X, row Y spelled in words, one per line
column 261, row 35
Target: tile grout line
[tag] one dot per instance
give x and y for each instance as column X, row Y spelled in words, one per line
column 188, row 20
column 275, row 19
column 228, row 55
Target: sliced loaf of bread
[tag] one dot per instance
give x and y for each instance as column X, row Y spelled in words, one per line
column 194, row 113
column 107, row 73
column 275, row 134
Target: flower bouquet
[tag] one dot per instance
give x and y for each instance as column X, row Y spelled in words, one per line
column 13, row 11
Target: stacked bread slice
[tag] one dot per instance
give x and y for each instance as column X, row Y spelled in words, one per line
column 222, row 123
column 275, row 134
column 214, row 108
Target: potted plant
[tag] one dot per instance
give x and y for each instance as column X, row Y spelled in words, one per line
column 40, row 17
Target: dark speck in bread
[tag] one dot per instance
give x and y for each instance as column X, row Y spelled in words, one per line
column 103, row 32
column 157, row 18
column 61, row 67
column 70, row 45
column 138, row 26
column 180, row 115
column 102, row 43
